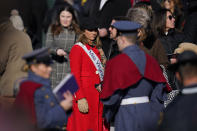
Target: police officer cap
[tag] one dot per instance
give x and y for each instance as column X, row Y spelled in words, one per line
column 38, row 56
column 183, row 58
column 126, row 27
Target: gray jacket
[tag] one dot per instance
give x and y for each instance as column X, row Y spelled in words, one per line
column 65, row 40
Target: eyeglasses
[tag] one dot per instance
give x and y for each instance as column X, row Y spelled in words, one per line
column 171, row 17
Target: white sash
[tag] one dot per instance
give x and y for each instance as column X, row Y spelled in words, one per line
column 96, row 61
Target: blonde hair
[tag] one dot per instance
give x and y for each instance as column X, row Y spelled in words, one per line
column 141, row 16
column 25, row 67
column 83, row 39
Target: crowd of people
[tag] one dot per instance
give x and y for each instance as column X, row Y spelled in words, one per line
column 135, row 63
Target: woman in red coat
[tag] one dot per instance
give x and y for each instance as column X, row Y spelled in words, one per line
column 85, row 64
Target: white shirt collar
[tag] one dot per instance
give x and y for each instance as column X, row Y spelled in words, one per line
column 102, row 4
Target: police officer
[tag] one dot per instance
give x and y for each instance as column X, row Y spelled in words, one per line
column 36, row 97
column 133, row 86
column 181, row 114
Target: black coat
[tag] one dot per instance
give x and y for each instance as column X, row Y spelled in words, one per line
column 190, row 27
column 172, row 40
column 33, row 12
column 113, row 50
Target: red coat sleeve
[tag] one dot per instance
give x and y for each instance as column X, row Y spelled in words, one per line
column 75, row 57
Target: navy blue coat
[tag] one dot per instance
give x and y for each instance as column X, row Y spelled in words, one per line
column 49, row 114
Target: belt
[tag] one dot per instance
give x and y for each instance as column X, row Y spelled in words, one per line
column 8, row 96
column 135, row 100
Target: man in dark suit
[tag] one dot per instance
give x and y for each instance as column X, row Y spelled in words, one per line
column 181, row 114
column 32, row 13
column 113, row 33
column 104, row 11
column 190, row 27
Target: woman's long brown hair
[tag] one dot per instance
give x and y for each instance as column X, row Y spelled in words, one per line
column 57, row 28
column 158, row 23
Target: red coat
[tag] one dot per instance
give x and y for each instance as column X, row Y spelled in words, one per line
column 85, row 72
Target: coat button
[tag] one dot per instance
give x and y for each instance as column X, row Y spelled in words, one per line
column 52, row 104
column 97, row 72
column 46, row 96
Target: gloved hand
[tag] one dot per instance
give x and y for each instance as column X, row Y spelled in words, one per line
column 83, row 105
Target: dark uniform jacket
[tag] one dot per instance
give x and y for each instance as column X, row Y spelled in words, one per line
column 41, row 103
column 181, row 114
column 134, row 77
